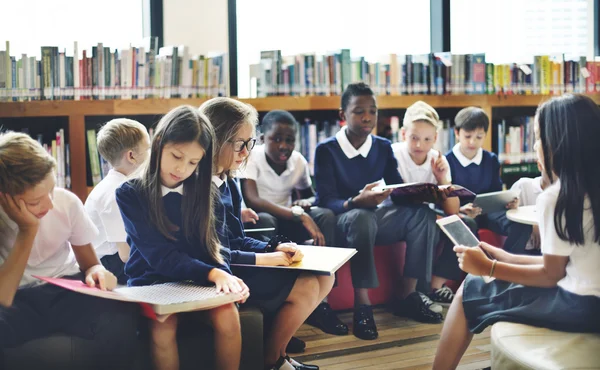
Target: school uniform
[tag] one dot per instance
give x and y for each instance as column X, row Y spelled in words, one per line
column 481, row 175
column 572, row 305
column 278, row 189
column 154, row 258
column 101, row 206
column 446, row 265
column 341, row 172
column 40, row 310
column 269, row 287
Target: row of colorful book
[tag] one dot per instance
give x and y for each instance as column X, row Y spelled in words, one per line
column 103, row 73
column 433, row 74
column 516, row 140
column 58, row 148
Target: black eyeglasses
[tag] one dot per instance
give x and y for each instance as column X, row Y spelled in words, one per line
column 239, row 145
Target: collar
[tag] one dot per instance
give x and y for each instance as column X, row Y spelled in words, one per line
column 217, row 181
column 165, row 190
column 464, row 161
column 348, row 149
column 117, row 174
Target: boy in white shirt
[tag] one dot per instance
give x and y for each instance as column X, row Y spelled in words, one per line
column 125, row 144
column 419, row 162
column 274, row 171
column 45, row 232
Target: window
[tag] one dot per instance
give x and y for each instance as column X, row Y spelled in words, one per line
column 515, row 30
column 373, row 29
column 30, row 24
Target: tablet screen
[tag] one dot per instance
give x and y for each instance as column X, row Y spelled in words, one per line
column 461, row 234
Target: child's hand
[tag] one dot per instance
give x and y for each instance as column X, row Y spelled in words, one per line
column 513, row 204
column 304, row 203
column 226, row 282
column 278, row 258
column 439, row 168
column 18, row 212
column 98, row 276
column 369, row 198
column 472, row 260
column 292, row 250
column 313, row 230
column 470, row 210
column 248, row 215
column 496, row 253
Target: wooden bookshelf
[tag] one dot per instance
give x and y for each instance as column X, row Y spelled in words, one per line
column 76, row 111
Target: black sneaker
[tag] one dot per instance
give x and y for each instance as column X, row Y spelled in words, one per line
column 443, row 296
column 364, row 323
column 413, row 307
column 300, row 365
column 324, row 318
column 295, row 345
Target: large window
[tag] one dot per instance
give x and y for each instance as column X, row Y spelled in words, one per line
column 30, row 24
column 516, row 30
column 372, row 29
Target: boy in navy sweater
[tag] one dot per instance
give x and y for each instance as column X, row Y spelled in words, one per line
column 347, row 168
column 479, row 171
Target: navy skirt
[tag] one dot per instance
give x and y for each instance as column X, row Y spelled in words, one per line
column 552, row 308
column 269, row 288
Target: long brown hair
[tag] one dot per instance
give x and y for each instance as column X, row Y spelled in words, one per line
column 227, row 116
column 184, row 124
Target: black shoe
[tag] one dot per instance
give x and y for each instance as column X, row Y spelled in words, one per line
column 364, row 323
column 295, row 345
column 300, row 365
column 413, row 307
column 324, row 318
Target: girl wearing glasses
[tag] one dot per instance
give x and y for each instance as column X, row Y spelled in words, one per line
column 287, row 296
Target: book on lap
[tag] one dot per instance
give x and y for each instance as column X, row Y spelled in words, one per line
column 159, row 300
column 422, row 190
column 318, row 260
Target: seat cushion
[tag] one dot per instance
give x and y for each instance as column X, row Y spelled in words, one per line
column 518, row 346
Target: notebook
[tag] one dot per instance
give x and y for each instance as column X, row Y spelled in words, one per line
column 318, row 260
column 160, row 299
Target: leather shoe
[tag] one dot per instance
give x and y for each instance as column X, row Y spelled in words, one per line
column 324, row 318
column 300, row 365
column 295, row 345
column 364, row 323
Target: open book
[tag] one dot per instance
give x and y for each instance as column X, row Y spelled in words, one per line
column 421, row 191
column 158, row 299
column 318, row 260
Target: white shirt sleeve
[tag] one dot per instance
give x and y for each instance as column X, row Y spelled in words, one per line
column 83, row 230
column 113, row 223
column 304, row 182
column 251, row 169
column 449, row 174
column 518, row 186
column 550, row 242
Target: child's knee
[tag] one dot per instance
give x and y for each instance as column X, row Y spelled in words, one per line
column 226, row 319
column 164, row 333
column 306, row 288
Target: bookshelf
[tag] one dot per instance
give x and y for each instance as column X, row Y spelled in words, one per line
column 76, row 112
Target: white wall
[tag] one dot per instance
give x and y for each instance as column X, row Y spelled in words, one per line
column 200, row 24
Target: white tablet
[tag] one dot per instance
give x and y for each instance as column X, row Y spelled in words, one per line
column 496, row 201
column 460, row 234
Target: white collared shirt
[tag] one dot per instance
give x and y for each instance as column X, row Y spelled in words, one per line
column 464, row 161
column 165, row 190
column 412, row 172
column 101, row 206
column 217, row 181
column 271, row 186
column 530, row 190
column 349, row 150
column 64, row 225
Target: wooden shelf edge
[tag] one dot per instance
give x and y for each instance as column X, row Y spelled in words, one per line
column 292, row 103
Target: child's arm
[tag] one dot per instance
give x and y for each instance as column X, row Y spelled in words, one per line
column 11, row 271
column 441, row 171
column 496, row 180
column 94, row 272
column 326, row 182
column 254, row 201
column 160, row 252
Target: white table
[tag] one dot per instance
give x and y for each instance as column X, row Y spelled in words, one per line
column 524, row 215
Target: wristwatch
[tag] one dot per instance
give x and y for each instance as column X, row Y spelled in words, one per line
column 297, row 212
column 350, row 203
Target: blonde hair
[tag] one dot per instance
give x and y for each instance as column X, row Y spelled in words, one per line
column 228, row 116
column 423, row 112
column 118, row 136
column 23, row 163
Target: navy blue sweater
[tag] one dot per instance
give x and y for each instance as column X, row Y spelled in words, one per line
column 242, row 249
column 480, row 179
column 153, row 257
column 338, row 178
